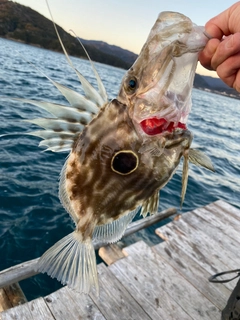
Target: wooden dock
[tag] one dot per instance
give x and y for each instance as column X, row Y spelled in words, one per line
column 166, row 281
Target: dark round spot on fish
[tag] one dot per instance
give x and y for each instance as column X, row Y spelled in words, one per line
column 124, row 162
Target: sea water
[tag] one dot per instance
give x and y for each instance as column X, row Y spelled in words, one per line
column 32, row 218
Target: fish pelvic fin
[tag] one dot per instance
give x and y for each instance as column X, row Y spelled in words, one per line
column 151, row 204
column 73, row 262
column 199, row 158
column 184, row 176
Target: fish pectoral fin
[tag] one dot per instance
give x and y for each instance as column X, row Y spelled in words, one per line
column 73, row 262
column 113, row 231
column 151, row 204
column 199, row 158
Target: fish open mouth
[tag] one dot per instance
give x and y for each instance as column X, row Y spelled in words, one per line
column 154, row 126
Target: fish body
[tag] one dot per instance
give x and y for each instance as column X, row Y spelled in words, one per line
column 124, row 151
column 106, row 175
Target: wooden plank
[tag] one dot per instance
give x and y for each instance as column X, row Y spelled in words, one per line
column 201, row 248
column 68, row 304
column 228, row 208
column 11, row 296
column 15, row 294
column 35, row 309
column 191, row 300
column 4, row 301
column 200, row 222
column 203, row 242
column 217, row 293
column 147, row 290
column 111, row 253
column 20, row 312
column 85, row 304
column 17, row 273
column 27, row 269
column 39, row 310
column 223, row 215
column 114, row 301
column 221, row 223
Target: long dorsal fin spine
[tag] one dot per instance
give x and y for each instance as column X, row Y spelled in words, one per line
column 101, row 87
column 90, row 91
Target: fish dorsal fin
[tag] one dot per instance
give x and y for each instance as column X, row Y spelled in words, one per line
column 113, row 231
column 77, row 100
column 101, row 87
column 199, row 158
column 60, row 132
column 151, row 204
column 90, row 92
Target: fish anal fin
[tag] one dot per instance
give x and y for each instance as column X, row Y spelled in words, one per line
column 73, row 262
column 113, row 231
column 199, row 158
column 151, row 204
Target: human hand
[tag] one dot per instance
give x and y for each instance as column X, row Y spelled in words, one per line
column 222, row 52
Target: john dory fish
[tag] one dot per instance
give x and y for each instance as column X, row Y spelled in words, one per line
column 124, row 151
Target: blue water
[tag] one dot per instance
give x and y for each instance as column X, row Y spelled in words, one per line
column 32, row 218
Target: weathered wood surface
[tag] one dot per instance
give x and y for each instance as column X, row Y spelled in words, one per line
column 11, row 296
column 111, row 254
column 208, row 236
column 27, row 269
column 166, row 281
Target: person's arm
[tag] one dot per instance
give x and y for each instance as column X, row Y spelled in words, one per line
column 222, row 52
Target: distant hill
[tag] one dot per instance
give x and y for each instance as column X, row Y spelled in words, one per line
column 215, row 85
column 123, row 54
column 21, row 23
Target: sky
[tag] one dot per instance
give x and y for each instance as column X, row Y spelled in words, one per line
column 122, row 22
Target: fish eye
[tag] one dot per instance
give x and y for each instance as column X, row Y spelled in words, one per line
column 131, row 85
column 124, row 162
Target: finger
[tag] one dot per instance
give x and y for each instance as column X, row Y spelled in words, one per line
column 229, row 71
column 225, row 23
column 236, row 84
column 205, row 57
column 227, row 48
column 213, row 30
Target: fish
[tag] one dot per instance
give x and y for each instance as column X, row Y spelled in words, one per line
column 124, row 151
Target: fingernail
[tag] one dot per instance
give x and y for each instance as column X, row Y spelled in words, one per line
column 207, row 34
column 229, row 41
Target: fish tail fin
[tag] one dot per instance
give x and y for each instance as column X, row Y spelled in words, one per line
column 73, row 262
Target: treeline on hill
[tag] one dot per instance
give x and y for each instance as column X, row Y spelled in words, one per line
column 21, row 23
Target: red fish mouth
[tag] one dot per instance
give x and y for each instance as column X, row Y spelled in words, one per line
column 155, row 126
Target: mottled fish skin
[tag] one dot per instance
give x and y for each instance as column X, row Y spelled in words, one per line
column 117, row 164
column 100, row 186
